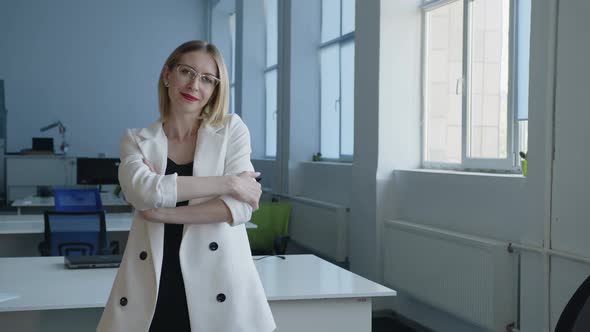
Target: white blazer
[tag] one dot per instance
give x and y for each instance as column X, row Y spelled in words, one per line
column 223, row 289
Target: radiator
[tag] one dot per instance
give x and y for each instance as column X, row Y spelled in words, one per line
column 472, row 278
column 319, row 227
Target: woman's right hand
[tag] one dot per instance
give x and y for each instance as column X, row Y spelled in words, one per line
column 149, row 165
column 245, row 188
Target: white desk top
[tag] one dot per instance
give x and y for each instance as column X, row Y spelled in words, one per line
column 108, row 199
column 306, row 277
column 34, row 224
column 42, row 283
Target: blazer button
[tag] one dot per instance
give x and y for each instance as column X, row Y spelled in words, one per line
column 123, row 301
column 213, row 246
column 143, row 255
column 220, row 297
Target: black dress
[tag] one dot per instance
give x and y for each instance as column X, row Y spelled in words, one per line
column 171, row 313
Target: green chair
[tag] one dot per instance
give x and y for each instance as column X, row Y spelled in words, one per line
column 270, row 237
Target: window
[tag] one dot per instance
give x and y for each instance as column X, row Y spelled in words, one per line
column 271, row 75
column 475, row 83
column 232, row 75
column 523, row 40
column 337, row 79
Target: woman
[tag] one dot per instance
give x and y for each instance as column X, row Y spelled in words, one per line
column 187, row 265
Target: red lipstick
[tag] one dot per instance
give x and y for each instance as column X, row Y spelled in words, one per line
column 189, row 97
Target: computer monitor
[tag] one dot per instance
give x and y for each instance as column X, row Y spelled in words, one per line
column 97, row 171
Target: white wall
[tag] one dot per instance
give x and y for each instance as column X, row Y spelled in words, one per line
column 382, row 183
column 570, row 200
column 492, row 206
column 327, row 182
column 511, row 208
column 534, row 304
column 504, row 207
column 92, row 65
column 363, row 246
column 304, row 97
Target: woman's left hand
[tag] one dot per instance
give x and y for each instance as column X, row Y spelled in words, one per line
column 152, row 215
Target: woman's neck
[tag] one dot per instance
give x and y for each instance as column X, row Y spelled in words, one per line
column 183, row 127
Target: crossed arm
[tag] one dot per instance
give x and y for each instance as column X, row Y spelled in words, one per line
column 242, row 187
column 233, row 196
column 212, row 211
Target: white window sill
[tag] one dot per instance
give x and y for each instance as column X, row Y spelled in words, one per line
column 456, row 172
column 333, row 163
column 264, row 159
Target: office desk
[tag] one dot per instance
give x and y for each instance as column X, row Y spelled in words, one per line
column 34, row 223
column 109, row 202
column 305, row 293
column 20, row 234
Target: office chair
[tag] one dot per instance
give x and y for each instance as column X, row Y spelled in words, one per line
column 76, row 234
column 77, row 199
column 271, row 235
column 575, row 317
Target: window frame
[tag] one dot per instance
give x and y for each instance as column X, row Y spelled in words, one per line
column 266, row 70
column 509, row 164
column 520, row 124
column 340, row 41
column 232, row 18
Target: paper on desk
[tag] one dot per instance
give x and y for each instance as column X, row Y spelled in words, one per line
column 8, row 296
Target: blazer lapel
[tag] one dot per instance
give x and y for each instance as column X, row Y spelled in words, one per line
column 208, row 161
column 154, row 146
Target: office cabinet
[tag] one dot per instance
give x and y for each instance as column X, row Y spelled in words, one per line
column 24, row 173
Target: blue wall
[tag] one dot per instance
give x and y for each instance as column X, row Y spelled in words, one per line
column 94, row 65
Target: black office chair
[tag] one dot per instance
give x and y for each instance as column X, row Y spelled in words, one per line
column 76, row 233
column 575, row 317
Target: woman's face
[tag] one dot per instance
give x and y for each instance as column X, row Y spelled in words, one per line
column 189, row 93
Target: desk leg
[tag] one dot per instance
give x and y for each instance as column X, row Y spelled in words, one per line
column 18, row 210
column 342, row 315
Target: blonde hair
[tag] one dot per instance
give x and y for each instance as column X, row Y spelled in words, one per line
column 218, row 105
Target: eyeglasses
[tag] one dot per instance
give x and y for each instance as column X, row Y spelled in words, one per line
column 187, row 74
